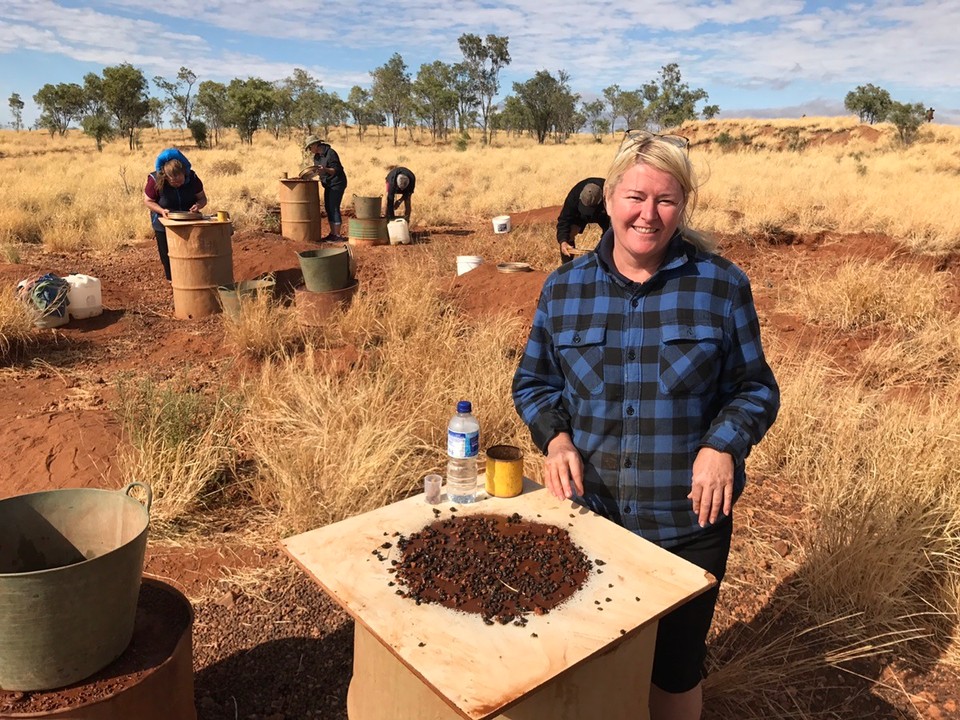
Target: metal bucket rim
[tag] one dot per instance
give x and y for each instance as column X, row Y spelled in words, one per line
column 327, row 252
column 126, row 498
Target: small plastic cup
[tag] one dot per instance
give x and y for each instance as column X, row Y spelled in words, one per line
column 431, row 489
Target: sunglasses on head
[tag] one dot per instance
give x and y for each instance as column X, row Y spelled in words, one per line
column 642, row 136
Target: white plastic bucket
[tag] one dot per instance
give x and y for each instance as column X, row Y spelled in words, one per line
column 85, row 296
column 466, row 263
column 399, row 232
column 501, row 224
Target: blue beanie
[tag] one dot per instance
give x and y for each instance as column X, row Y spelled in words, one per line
column 173, row 154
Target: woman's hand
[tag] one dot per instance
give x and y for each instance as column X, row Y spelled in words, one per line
column 712, row 485
column 566, row 249
column 194, row 208
column 563, row 468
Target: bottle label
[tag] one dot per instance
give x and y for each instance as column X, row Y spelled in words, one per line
column 463, row 445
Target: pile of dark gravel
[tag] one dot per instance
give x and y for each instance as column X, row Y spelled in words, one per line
column 501, row 567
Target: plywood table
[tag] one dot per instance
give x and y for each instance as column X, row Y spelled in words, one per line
column 587, row 658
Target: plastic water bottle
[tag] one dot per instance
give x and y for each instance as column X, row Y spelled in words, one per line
column 463, row 446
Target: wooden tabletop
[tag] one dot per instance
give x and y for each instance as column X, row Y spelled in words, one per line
column 481, row 668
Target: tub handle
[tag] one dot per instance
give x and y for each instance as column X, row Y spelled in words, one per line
column 145, row 488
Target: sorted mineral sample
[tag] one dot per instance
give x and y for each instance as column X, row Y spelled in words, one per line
column 501, row 567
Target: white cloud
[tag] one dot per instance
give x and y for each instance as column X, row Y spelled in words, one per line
column 745, row 47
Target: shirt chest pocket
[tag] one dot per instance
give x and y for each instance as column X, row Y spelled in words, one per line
column 690, row 358
column 581, row 355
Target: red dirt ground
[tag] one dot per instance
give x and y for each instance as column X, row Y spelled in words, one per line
column 284, row 651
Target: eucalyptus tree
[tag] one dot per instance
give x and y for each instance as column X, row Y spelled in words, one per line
column 212, row 106
column 907, row 118
column 593, row 115
column 545, row 99
column 332, row 111
column 871, row 103
column 96, row 121
column 248, row 102
column 125, row 98
column 467, row 99
column 567, row 119
column 485, row 58
column 513, row 118
column 60, row 105
column 155, row 109
column 180, row 95
column 614, row 97
column 16, row 109
column 435, row 96
column 304, row 92
column 279, row 117
column 360, row 107
column 633, row 109
column 391, row 90
column 671, row 101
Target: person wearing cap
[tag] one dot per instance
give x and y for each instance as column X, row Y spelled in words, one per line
column 400, row 181
column 327, row 165
column 584, row 205
column 172, row 187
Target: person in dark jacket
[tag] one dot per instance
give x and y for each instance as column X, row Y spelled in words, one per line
column 400, row 181
column 584, row 205
column 173, row 186
column 326, row 164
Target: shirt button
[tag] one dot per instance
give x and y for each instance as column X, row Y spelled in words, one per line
column 576, row 338
column 626, row 509
column 634, row 302
column 627, row 463
column 632, row 355
column 630, row 410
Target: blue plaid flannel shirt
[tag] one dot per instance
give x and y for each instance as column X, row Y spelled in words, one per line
column 644, row 375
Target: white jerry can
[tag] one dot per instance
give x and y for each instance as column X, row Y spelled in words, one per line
column 85, row 296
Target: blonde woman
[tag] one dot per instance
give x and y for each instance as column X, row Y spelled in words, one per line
column 645, row 385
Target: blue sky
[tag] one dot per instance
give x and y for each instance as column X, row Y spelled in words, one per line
column 755, row 58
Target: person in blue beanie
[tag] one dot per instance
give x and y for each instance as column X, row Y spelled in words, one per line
column 173, row 186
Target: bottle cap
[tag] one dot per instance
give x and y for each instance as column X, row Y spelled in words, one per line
column 464, row 406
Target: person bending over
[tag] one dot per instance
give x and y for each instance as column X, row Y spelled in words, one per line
column 584, row 205
column 400, row 186
column 172, row 186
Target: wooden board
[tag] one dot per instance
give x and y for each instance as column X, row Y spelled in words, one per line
column 480, row 669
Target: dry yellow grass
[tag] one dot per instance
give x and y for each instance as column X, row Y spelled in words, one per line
column 879, row 479
column 66, row 195
column 16, row 323
column 179, row 441
column 332, row 445
column 878, row 561
column 861, row 294
column 263, row 327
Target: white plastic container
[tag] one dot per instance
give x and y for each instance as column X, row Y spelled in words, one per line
column 466, row 263
column 85, row 296
column 463, row 447
column 501, row 224
column 398, row 231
